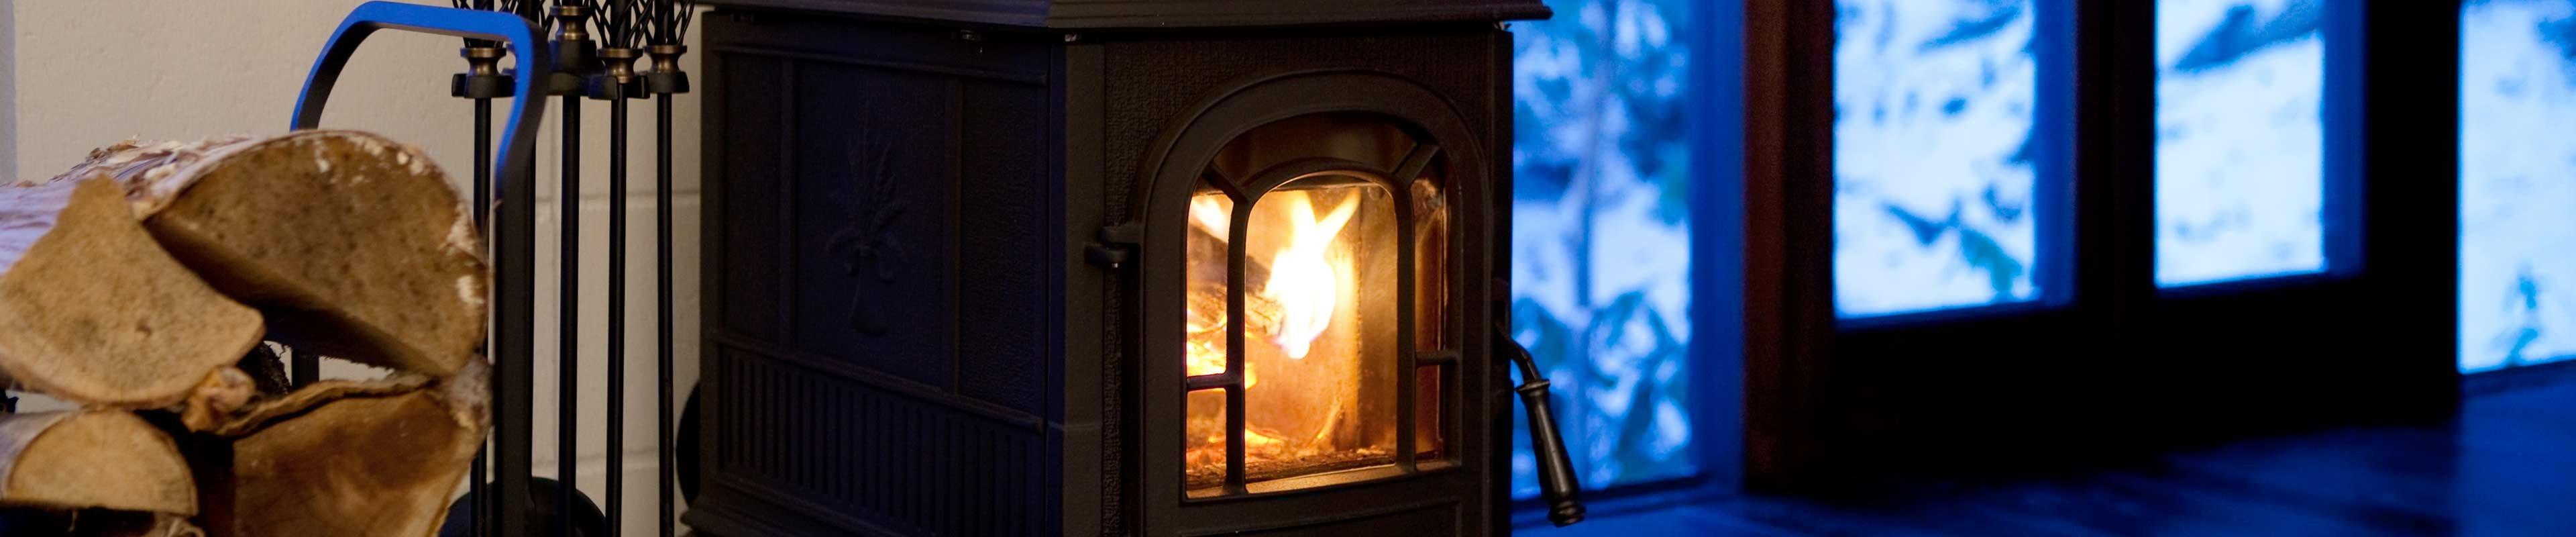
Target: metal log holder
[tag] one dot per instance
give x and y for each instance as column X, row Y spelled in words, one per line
column 574, row 66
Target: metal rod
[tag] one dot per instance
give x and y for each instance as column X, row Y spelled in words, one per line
column 514, row 367
column 482, row 163
column 1234, row 349
column 662, row 321
column 616, row 311
column 568, row 331
column 482, row 207
column 665, row 28
column 574, row 63
column 616, row 83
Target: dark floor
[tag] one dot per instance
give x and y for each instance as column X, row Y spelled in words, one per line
column 2505, row 466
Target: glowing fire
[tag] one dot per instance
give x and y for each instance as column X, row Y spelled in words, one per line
column 1304, row 332
column 1206, row 326
column 1304, row 279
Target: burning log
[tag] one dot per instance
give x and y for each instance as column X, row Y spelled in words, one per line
column 347, row 458
column 97, row 312
column 354, row 246
column 92, row 460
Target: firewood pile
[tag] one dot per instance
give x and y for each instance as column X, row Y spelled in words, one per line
column 154, row 285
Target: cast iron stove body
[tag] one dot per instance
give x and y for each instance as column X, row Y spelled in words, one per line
column 1134, row 267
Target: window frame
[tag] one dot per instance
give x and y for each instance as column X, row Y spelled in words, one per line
column 1717, row 135
column 2506, row 375
column 2097, row 374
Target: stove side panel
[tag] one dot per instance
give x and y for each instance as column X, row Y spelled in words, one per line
column 881, row 259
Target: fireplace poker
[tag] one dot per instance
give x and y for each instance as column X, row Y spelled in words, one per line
column 575, row 59
column 666, row 31
column 619, row 35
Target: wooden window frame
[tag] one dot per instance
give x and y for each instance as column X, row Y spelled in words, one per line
column 2110, row 365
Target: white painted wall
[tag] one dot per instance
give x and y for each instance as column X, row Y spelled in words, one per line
column 87, row 73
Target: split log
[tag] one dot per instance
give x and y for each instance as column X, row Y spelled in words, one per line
column 97, row 312
column 348, row 458
column 92, row 459
column 353, row 245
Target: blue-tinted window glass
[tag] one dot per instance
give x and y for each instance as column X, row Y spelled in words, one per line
column 2240, row 179
column 2517, row 183
column 1601, row 234
column 1933, row 155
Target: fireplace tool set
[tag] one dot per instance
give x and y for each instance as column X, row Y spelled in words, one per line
column 1020, row 267
column 591, row 54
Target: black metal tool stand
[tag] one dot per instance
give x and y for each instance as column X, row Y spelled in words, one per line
column 513, row 238
column 574, row 66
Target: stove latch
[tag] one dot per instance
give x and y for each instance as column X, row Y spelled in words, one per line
column 1115, row 246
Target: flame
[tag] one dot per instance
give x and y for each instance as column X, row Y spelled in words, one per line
column 1304, row 278
column 1301, row 273
column 1210, row 214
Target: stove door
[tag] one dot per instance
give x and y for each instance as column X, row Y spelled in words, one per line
column 1309, row 350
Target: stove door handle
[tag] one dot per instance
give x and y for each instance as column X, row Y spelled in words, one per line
column 1556, row 479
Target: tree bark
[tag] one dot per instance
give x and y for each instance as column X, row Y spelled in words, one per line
column 99, row 314
column 354, row 246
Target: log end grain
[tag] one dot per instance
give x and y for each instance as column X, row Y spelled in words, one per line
column 102, row 315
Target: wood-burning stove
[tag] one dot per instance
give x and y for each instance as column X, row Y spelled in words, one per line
column 1162, row 267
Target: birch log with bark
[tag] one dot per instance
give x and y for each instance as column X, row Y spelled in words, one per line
column 92, row 460
column 353, row 245
column 97, row 312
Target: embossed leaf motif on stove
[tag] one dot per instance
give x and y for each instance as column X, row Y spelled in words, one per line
column 867, row 243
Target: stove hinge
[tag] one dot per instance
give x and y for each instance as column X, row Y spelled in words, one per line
column 1115, row 246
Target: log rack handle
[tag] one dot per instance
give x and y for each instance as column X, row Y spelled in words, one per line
column 1556, row 481
column 510, row 30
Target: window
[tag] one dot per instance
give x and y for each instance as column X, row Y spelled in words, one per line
column 2517, row 183
column 1601, row 242
column 2240, row 150
column 1934, row 155
column 2145, row 146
